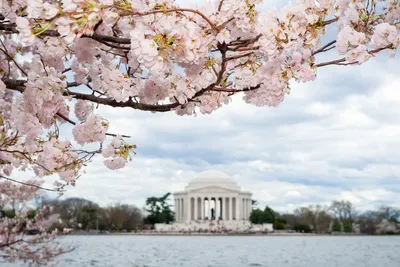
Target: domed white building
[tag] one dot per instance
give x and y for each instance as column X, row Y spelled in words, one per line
column 212, row 196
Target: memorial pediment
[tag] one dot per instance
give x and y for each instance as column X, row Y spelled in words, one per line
column 212, row 189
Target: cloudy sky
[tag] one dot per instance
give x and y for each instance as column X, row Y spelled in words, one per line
column 331, row 139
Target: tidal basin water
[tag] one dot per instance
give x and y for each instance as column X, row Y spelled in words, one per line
column 232, row 251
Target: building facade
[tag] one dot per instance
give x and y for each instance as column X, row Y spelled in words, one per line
column 212, row 196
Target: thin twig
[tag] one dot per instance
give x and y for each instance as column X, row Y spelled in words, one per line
column 322, row 49
column 32, row 185
column 341, row 60
column 74, row 123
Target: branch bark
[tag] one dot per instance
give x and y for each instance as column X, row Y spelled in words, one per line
column 342, row 61
column 31, row 185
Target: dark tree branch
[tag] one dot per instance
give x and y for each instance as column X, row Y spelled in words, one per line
column 12, row 28
column 31, row 185
column 342, row 61
column 323, row 49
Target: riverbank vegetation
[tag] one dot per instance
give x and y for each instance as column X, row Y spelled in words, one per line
column 85, row 215
column 339, row 217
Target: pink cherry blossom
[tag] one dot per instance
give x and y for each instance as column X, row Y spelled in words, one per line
column 2, row 87
column 384, row 35
column 358, row 54
column 106, row 2
column 224, row 36
column 65, row 29
column 348, row 38
column 25, row 32
column 50, row 10
column 114, row 164
column 92, row 130
column 83, row 109
column 34, row 8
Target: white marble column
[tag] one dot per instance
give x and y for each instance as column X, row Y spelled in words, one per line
column 216, row 209
column 209, row 209
column 249, row 208
column 222, row 209
column 229, row 209
column 202, row 207
column 177, row 209
column 237, row 209
column 182, row 209
column 244, row 209
column 196, row 212
column 189, row 208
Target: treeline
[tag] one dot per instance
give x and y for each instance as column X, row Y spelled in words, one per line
column 83, row 214
column 340, row 216
column 86, row 215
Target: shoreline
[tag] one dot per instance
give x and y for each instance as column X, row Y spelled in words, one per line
column 213, row 234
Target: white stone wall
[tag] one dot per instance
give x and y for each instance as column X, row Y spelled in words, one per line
column 228, row 226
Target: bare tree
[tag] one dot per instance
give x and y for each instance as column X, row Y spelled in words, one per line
column 390, row 213
column 315, row 216
column 342, row 210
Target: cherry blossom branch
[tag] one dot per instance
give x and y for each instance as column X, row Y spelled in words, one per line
column 341, row 60
column 10, row 57
column 74, row 123
column 12, row 28
column 220, row 5
column 31, row 185
column 141, row 14
column 19, row 86
column 9, row 244
column 324, row 48
column 327, row 22
column 239, row 56
column 230, row 90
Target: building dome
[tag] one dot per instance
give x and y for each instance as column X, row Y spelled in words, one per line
column 212, row 178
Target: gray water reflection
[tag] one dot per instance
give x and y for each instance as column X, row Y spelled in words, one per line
column 232, row 251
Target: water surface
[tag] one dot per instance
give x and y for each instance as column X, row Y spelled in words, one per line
column 232, row 251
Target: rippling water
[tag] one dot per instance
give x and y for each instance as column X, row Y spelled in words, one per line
column 232, row 251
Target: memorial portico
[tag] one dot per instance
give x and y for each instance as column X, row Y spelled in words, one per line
column 212, row 195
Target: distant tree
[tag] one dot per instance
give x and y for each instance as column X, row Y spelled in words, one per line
column 280, row 224
column 315, row 216
column 76, row 213
column 267, row 215
column 302, row 228
column 390, row 213
column 368, row 222
column 305, row 215
column 159, row 210
column 348, row 225
column 122, row 217
column 270, row 215
column 342, row 210
column 322, row 222
column 257, row 216
column 336, row 226
column 290, row 219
